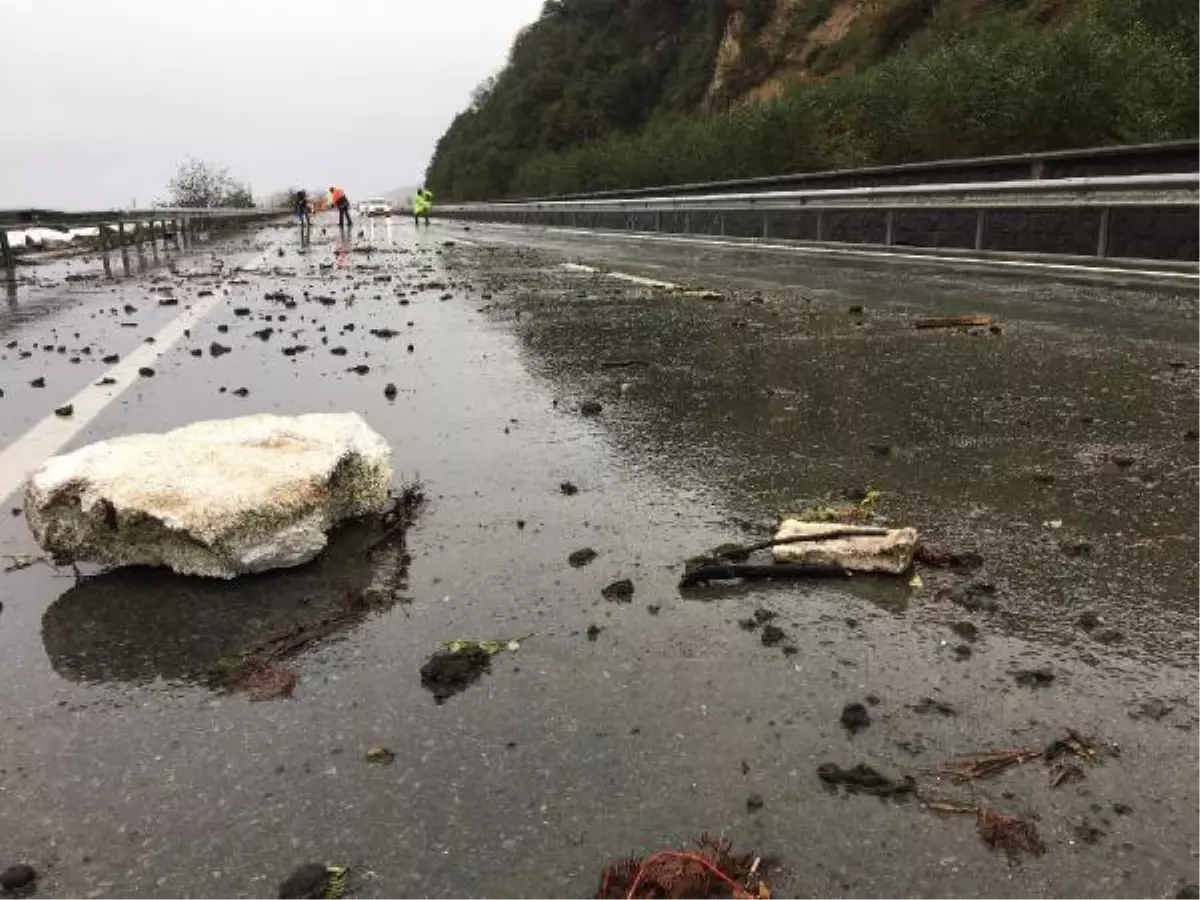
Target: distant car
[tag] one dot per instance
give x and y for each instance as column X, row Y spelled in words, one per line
column 376, row 206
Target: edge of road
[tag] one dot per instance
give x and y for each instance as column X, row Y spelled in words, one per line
column 1154, row 273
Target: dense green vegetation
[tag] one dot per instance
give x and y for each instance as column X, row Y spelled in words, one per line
column 615, row 93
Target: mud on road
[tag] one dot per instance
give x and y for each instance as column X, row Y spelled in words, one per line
column 1060, row 448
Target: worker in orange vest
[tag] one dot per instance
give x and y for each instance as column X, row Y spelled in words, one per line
column 338, row 199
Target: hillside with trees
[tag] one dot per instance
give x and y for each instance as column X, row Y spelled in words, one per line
column 601, row 94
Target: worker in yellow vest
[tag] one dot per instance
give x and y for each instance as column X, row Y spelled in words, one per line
column 422, row 204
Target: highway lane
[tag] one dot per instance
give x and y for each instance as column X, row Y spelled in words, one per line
column 125, row 775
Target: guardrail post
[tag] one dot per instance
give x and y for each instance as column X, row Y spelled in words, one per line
column 721, row 223
column 102, row 241
column 153, row 239
column 889, row 236
column 6, row 257
column 121, row 244
column 658, row 220
column 820, row 224
column 687, row 221
column 1102, row 237
column 980, row 227
column 766, row 224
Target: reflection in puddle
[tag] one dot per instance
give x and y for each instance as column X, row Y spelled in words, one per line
column 135, row 625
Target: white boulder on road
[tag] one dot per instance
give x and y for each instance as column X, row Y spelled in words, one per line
column 219, row 498
column 864, row 551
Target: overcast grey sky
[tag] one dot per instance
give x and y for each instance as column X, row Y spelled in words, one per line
column 103, row 98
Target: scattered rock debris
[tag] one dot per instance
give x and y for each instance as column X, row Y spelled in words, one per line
column 314, row 880
column 568, row 489
column 711, row 870
column 1034, row 678
column 862, row 779
column 19, row 880
column 1012, row 834
column 447, row 672
column 930, row 705
column 581, row 557
column 620, row 591
column 590, row 408
column 380, row 755
column 855, row 717
column 772, row 635
column 593, row 632
column 65, row 411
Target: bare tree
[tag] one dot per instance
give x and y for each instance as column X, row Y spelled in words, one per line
column 200, row 185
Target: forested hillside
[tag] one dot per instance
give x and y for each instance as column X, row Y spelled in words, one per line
column 620, row 93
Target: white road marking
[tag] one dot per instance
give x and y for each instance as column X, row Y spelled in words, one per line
column 882, row 254
column 622, row 276
column 22, row 457
column 648, row 282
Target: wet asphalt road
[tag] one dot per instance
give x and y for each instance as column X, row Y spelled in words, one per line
column 121, row 774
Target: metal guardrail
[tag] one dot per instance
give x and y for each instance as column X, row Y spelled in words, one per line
column 121, row 228
column 1177, row 191
column 1130, row 159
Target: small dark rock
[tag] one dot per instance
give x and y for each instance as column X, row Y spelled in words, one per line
column 1191, row 435
column 747, row 624
column 1122, row 462
column 881, row 449
column 754, row 803
column 581, row 557
column 242, row 311
column 590, row 408
column 264, row 333
column 106, row 381
column 1109, row 636
column 224, row 329
column 242, row 392
column 855, row 310
column 65, row 411
column 338, row 351
column 1034, row 678
column 359, row 369
column 446, row 674
column 146, row 372
column 1155, row 708
column 18, row 880
column 1088, row 619
column 1076, row 548
column 965, row 630
column 568, row 489
column 390, row 391
column 215, row 349
column 930, row 705
column 962, row 651
column 308, row 882
column 1043, row 478
column 772, row 635
column 855, row 717
column 619, row 591
column 38, row 383
column 653, row 609
column 168, row 301
column 593, row 632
